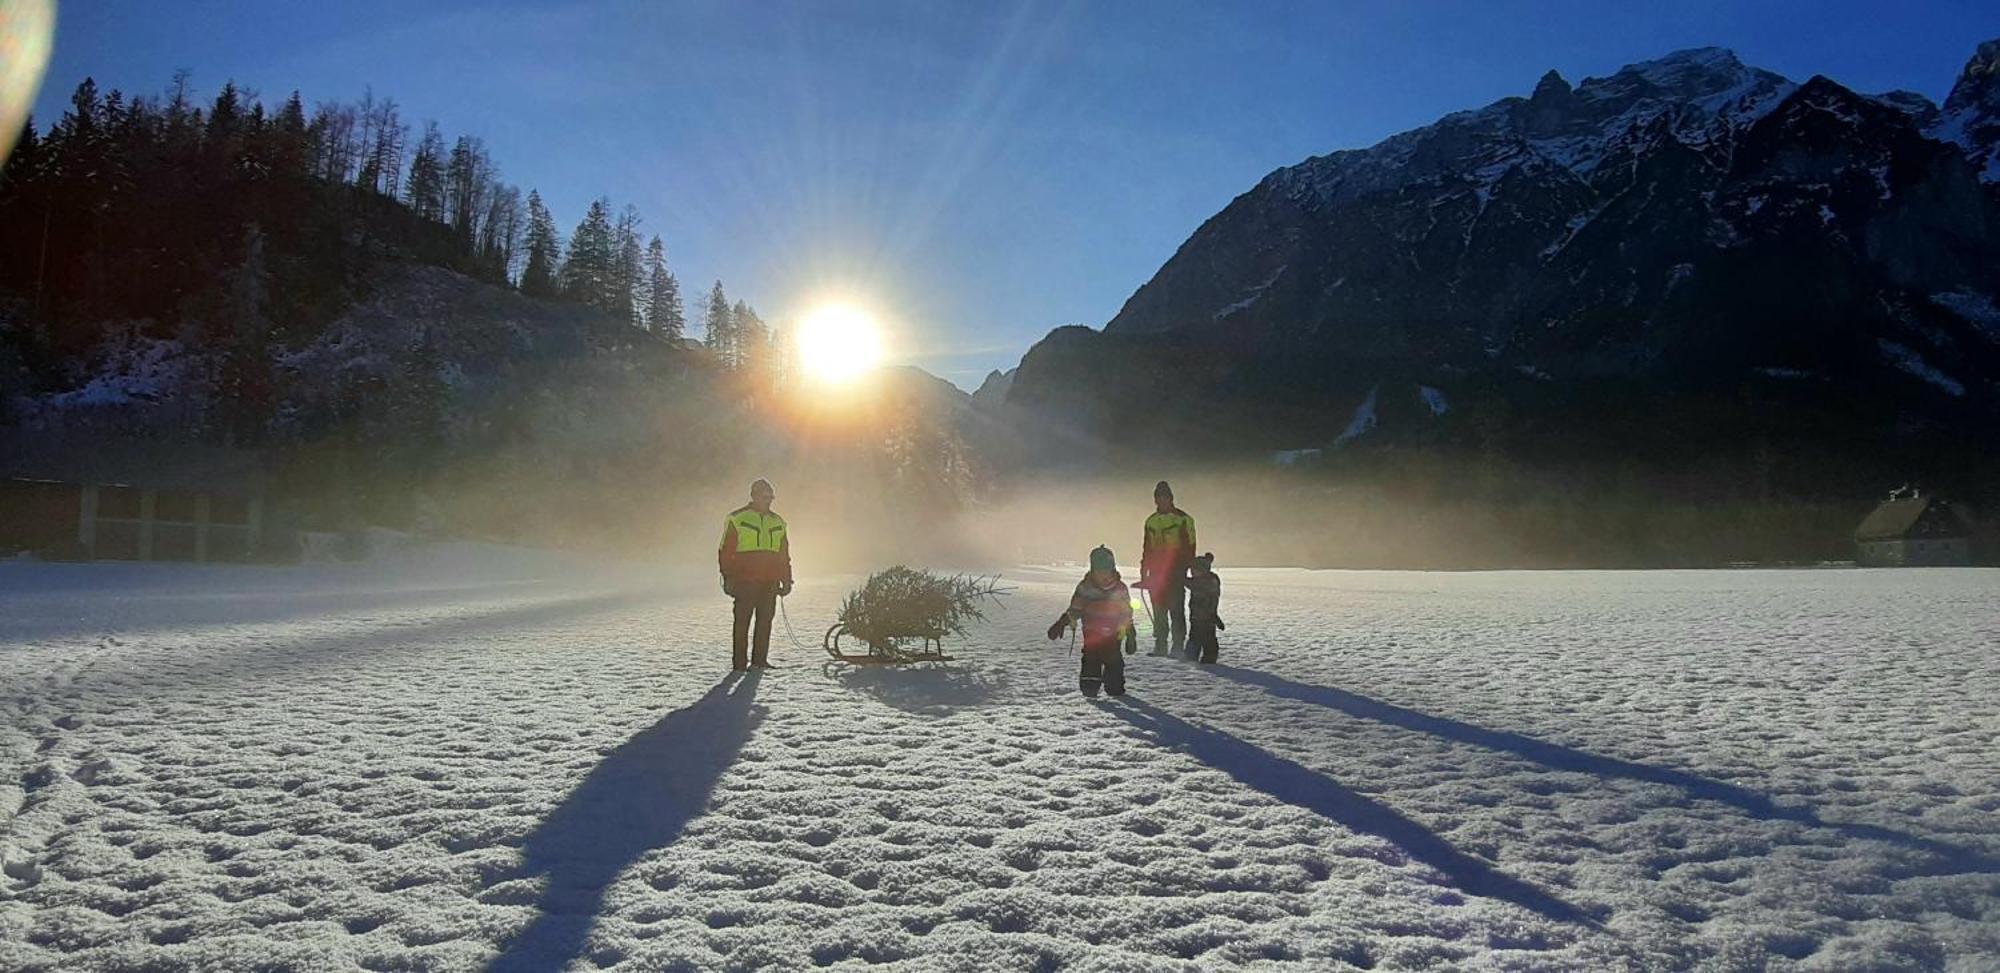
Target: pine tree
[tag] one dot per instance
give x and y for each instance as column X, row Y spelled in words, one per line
column 78, row 138
column 753, row 345
column 664, row 316
column 80, row 157
column 627, row 266
column 425, row 189
column 382, row 163
column 468, row 180
column 589, row 272
column 718, row 327
column 540, row 276
column 291, row 147
column 500, row 232
column 225, row 119
column 784, row 356
column 25, row 165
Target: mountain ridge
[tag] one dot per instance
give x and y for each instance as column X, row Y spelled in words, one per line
column 1688, row 225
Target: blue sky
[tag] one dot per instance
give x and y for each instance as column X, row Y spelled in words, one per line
column 977, row 172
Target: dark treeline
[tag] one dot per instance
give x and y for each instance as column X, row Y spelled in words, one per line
column 240, row 228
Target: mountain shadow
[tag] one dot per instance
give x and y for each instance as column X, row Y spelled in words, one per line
column 1300, row 787
column 638, row 800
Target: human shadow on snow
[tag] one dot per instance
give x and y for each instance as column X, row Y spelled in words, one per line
column 637, row 800
column 1565, row 758
column 1296, row 785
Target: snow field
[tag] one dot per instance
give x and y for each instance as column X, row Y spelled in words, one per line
column 322, row 769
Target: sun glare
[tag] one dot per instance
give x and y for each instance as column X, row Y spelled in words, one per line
column 839, row 343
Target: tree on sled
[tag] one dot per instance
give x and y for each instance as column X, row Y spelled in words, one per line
column 903, row 615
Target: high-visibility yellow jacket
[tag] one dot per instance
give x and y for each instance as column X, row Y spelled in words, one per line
column 1170, row 544
column 755, row 548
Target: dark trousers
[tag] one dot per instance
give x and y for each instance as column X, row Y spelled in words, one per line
column 1102, row 669
column 1169, row 596
column 1201, row 640
column 759, row 601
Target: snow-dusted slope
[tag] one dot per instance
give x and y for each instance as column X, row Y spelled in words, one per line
column 1971, row 116
column 1699, row 97
column 318, row 769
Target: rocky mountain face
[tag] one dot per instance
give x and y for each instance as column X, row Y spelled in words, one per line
column 1691, row 247
column 1971, row 116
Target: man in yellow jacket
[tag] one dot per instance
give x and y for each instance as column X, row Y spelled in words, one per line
column 1163, row 568
column 755, row 558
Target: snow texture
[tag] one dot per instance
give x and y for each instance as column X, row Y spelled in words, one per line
column 1434, row 400
column 335, row 768
column 129, row 367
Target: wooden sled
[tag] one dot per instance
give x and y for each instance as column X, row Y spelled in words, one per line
column 885, row 654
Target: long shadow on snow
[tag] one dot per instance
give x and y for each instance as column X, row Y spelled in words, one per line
column 183, row 606
column 636, row 801
column 1564, row 758
column 347, row 648
column 1296, row 785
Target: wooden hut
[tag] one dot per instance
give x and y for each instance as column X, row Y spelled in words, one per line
column 123, row 499
column 1910, row 530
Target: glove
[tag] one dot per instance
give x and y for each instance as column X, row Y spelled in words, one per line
column 1220, row 627
column 1131, row 642
column 784, row 588
column 727, row 588
column 1056, row 630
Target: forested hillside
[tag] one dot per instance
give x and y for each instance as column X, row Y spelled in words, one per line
column 402, row 336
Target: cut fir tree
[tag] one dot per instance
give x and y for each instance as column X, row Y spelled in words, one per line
column 904, row 614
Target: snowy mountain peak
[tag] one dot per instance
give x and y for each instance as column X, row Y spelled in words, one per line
column 1709, row 78
column 1698, row 97
column 1971, row 117
column 1920, row 108
column 1692, row 73
column 1978, row 85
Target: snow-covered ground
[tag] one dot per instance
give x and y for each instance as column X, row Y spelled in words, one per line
column 335, row 768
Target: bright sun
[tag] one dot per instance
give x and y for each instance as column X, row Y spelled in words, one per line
column 838, row 343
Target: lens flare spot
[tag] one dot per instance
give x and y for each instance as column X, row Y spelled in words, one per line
column 27, row 33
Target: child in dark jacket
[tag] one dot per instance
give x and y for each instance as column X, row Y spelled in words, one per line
column 1102, row 607
column 1204, row 595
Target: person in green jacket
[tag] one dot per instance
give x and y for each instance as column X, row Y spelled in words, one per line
column 755, row 558
column 1163, row 568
